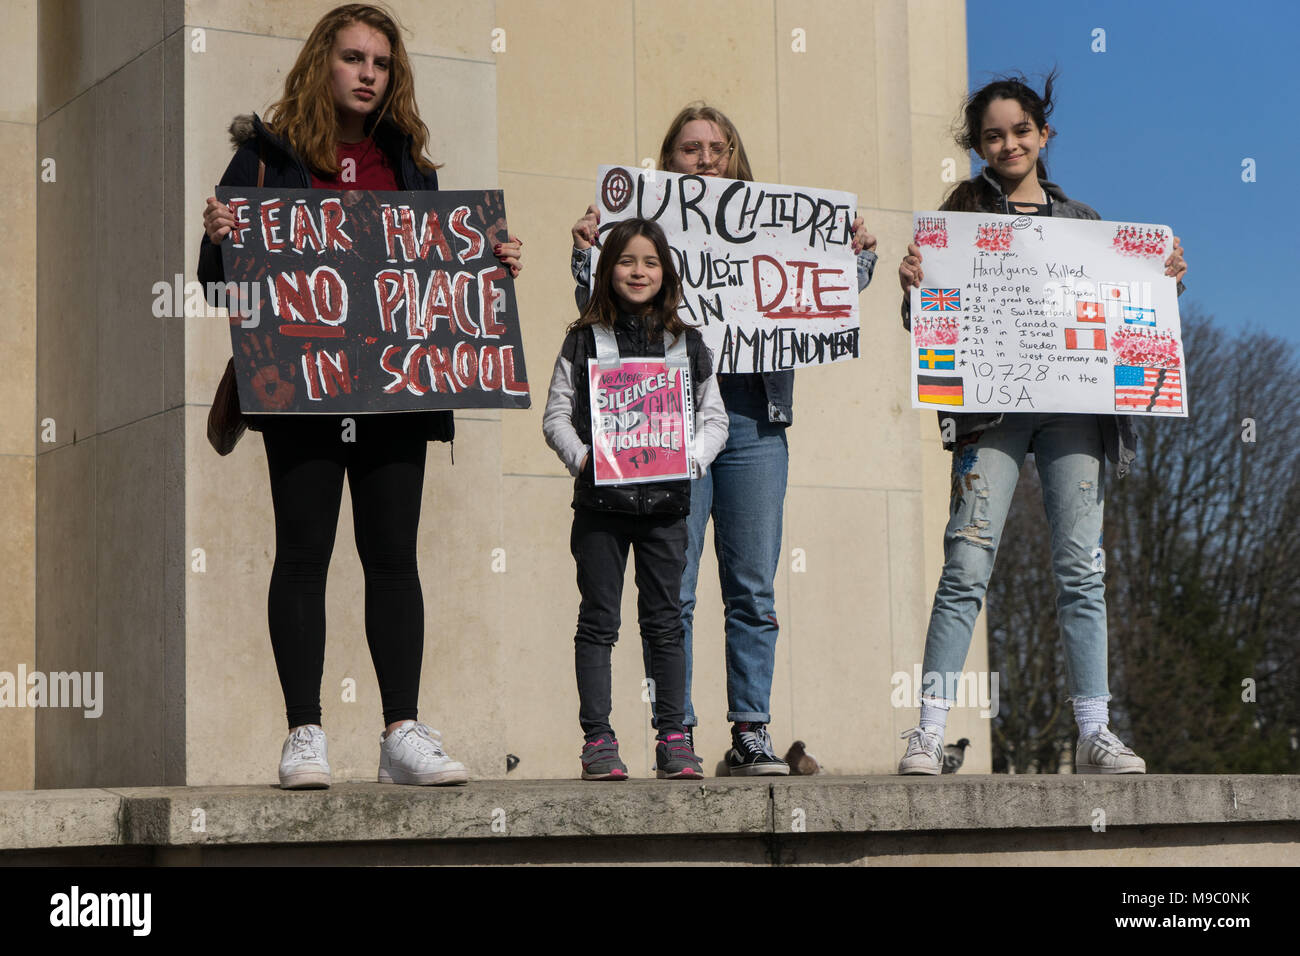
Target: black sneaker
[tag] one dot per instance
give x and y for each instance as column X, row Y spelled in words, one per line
column 751, row 753
column 675, row 760
column 688, row 731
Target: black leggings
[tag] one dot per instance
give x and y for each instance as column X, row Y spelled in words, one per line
column 385, row 468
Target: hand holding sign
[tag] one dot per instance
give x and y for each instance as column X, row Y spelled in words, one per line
column 584, row 230
column 861, row 238
column 218, row 220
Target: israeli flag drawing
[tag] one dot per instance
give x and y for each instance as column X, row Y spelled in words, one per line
column 1133, row 315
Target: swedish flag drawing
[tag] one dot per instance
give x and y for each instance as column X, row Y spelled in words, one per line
column 936, row 358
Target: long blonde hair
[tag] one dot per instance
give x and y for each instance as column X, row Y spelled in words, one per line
column 737, row 163
column 305, row 114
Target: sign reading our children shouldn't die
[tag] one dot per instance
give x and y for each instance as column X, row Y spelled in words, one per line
column 1040, row 314
column 768, row 272
column 362, row 301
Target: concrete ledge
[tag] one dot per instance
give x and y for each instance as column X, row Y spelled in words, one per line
column 59, row 818
column 371, row 812
column 956, row 802
column 774, row 820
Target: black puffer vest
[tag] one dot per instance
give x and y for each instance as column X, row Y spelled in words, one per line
column 635, row 337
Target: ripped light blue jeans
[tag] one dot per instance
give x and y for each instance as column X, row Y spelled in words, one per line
column 1071, row 465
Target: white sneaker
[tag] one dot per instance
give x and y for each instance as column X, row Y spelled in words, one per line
column 924, row 752
column 303, row 763
column 413, row 754
column 1103, row 752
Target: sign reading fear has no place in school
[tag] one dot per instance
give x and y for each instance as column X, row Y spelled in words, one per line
column 1040, row 314
column 363, row 301
column 768, row 272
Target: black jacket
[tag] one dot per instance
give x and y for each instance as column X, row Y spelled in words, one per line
column 653, row 498
column 284, row 168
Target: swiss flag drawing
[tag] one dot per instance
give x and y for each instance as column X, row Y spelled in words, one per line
column 1090, row 312
column 1086, row 339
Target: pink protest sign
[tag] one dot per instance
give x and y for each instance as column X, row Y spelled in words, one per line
column 640, row 421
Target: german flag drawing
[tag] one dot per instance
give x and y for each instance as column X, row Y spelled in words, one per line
column 938, row 390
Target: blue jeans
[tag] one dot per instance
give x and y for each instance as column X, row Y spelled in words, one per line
column 1071, row 464
column 744, row 493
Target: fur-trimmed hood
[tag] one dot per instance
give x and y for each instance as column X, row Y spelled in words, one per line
column 247, row 126
column 242, row 129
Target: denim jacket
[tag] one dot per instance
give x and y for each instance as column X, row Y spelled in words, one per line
column 778, row 386
column 1118, row 435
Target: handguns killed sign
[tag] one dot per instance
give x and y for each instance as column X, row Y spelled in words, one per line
column 362, row 301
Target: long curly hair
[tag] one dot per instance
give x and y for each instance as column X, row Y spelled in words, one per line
column 305, row 114
column 737, row 163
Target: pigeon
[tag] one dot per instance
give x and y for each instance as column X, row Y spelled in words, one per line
column 802, row 763
column 954, row 755
column 511, row 762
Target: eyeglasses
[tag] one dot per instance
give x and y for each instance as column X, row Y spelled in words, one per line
column 714, row 151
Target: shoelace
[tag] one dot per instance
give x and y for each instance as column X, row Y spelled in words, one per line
column 757, row 742
column 302, row 745
column 428, row 742
column 919, row 742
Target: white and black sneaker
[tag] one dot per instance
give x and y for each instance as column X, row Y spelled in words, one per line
column 751, row 753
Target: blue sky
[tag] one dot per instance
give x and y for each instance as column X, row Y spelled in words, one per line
column 1155, row 129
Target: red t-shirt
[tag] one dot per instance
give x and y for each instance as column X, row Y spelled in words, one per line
column 362, row 165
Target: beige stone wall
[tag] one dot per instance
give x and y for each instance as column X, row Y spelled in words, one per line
column 154, row 554
column 109, row 494
column 586, row 83
column 18, row 186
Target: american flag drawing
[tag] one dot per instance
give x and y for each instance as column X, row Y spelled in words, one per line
column 940, row 300
column 1148, row 389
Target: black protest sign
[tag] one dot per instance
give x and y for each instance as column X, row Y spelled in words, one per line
column 362, row 301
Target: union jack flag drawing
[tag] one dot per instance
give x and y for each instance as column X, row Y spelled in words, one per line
column 940, row 300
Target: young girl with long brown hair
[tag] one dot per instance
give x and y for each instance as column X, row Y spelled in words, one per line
column 347, row 120
column 633, row 308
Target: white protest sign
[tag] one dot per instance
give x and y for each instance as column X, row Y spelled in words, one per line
column 1040, row 314
column 768, row 272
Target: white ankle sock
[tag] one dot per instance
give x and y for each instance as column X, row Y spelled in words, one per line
column 934, row 714
column 1091, row 713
